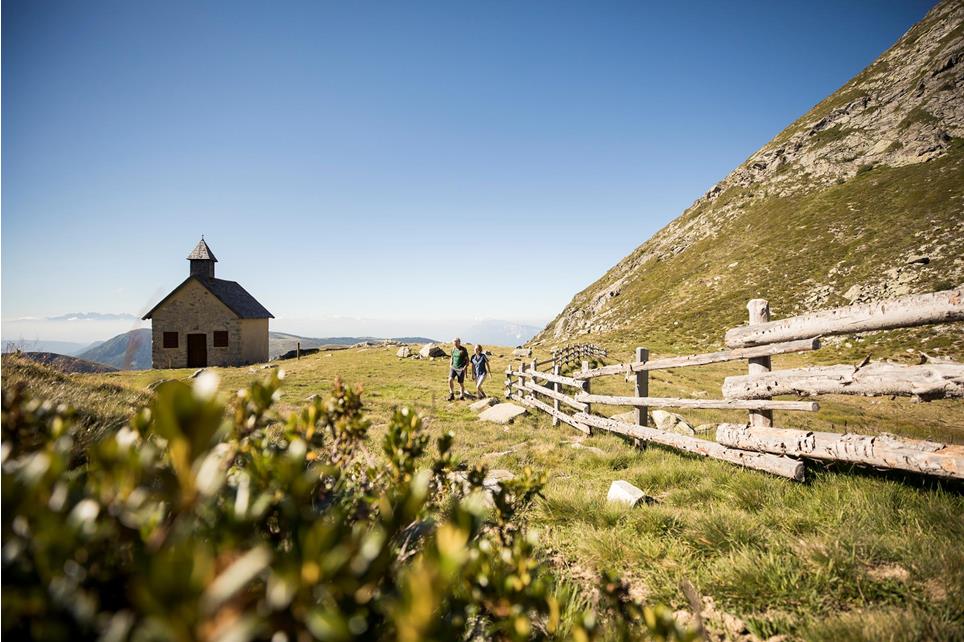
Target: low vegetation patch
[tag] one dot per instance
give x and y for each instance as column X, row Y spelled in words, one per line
column 851, row 554
column 199, row 522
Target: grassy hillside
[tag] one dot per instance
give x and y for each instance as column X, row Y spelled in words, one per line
column 851, row 554
column 101, row 406
column 860, row 199
column 65, row 363
column 802, row 252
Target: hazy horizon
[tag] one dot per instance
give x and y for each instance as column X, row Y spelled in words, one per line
column 86, row 331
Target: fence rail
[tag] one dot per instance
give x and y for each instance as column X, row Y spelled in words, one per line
column 757, row 444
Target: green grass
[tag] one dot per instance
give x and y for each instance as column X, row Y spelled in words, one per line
column 851, row 554
column 101, row 406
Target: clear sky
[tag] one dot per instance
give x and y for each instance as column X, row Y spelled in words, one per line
column 392, row 161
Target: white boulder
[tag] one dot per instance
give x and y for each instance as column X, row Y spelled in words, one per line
column 431, row 350
column 482, row 404
column 622, row 492
column 671, row 422
column 502, row 413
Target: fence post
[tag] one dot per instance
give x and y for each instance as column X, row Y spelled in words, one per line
column 522, row 379
column 587, row 385
column 508, row 381
column 298, row 351
column 558, row 388
column 759, row 313
column 533, row 368
column 642, row 386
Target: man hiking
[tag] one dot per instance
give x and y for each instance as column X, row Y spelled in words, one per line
column 460, row 362
column 480, row 366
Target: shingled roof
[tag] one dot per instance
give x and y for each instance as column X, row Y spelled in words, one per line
column 202, row 252
column 230, row 293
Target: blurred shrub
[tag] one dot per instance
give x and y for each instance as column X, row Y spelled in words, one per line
column 194, row 523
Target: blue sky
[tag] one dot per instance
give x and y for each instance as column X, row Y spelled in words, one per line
column 391, row 161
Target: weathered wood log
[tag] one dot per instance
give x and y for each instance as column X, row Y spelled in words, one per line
column 904, row 312
column 759, row 310
column 712, row 404
column 665, row 363
column 548, row 376
column 882, row 451
column 927, row 381
column 558, row 415
column 778, row 465
column 558, row 396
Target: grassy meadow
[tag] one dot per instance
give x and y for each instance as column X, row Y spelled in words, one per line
column 850, row 554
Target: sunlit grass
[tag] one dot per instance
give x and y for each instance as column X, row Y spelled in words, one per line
column 783, row 557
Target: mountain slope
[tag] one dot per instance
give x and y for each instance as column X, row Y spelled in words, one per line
column 66, row 363
column 861, row 198
column 128, row 351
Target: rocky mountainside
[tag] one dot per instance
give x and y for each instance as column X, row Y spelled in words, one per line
column 861, row 198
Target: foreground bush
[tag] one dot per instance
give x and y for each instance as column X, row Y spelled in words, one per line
column 194, row 522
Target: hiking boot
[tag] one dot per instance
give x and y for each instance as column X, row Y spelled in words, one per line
column 451, row 398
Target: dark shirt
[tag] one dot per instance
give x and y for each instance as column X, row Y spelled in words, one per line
column 481, row 363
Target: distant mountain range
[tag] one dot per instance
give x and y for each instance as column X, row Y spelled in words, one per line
column 94, row 316
column 282, row 342
column 71, row 348
column 132, row 350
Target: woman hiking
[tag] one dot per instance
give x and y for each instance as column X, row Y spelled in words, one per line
column 480, row 365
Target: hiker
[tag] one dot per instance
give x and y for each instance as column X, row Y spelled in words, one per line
column 480, row 367
column 460, row 362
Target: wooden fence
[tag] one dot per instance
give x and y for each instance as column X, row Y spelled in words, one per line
column 573, row 355
column 757, row 443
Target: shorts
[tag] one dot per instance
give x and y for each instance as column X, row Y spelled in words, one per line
column 480, row 378
column 457, row 374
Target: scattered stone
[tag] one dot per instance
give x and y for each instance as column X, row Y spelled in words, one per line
column 703, row 429
column 196, row 373
column 496, row 476
column 596, row 451
column 918, row 258
column 628, row 417
column 313, row 397
column 502, row 413
column 482, row 404
column 431, row 350
column 403, row 352
column 268, row 366
column 671, row 422
column 622, row 492
column 522, row 352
